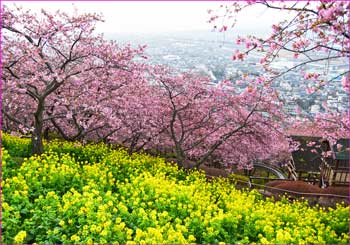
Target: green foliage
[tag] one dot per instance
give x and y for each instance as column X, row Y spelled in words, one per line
column 19, row 147
column 9, row 164
column 64, row 196
column 89, row 153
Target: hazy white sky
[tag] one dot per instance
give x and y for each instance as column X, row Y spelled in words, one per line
column 154, row 16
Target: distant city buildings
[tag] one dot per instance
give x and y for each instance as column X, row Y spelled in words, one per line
column 211, row 57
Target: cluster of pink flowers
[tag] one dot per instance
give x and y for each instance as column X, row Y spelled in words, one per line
column 317, row 32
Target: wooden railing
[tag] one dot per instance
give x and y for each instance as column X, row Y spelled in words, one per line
column 335, row 175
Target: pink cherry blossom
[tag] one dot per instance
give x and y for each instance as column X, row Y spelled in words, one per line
column 58, row 64
column 317, row 33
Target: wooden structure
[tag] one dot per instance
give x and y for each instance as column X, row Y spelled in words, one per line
column 310, row 163
column 335, row 170
column 306, row 162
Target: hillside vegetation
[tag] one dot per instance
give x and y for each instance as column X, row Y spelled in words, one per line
column 92, row 193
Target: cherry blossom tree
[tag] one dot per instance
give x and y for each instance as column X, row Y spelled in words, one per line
column 136, row 113
column 204, row 121
column 56, row 70
column 94, row 109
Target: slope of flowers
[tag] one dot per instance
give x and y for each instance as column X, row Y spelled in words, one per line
column 111, row 197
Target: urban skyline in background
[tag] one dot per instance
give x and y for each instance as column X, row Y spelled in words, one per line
column 211, row 55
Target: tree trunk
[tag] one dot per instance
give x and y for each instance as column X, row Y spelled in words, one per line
column 180, row 156
column 37, row 139
column 46, row 134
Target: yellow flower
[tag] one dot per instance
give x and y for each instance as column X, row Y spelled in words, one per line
column 5, row 206
column 61, row 223
column 98, row 229
column 191, row 238
column 19, row 238
column 75, row 238
column 264, row 240
column 104, row 233
column 129, row 233
column 93, row 228
column 107, row 224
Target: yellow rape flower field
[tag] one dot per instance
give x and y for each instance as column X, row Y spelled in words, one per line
column 85, row 194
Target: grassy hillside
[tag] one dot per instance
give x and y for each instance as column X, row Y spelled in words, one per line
column 94, row 194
